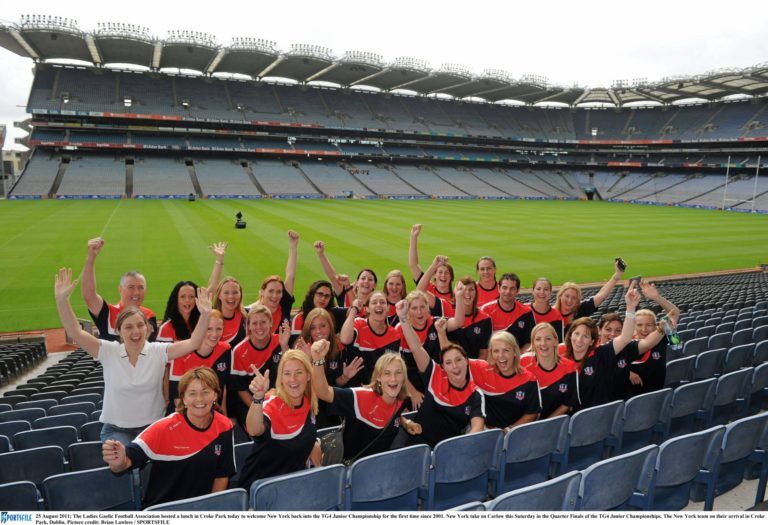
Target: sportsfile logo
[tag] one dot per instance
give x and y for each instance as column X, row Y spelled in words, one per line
column 10, row 517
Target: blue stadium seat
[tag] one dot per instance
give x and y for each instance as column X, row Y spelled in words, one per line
column 682, row 460
column 558, row 494
column 593, row 433
column 77, row 420
column 742, row 323
column 691, row 407
column 760, row 334
column 95, row 489
column 716, row 341
column 694, row 346
column 742, row 337
column 679, row 371
column 709, row 364
column 85, row 407
column 461, row 468
column 25, row 414
column 91, row 431
column 472, row 506
column 620, row 482
column 724, row 327
column 33, row 465
column 80, row 398
column 5, row 444
column 232, row 499
column 11, row 428
column 85, row 455
column 728, row 400
column 738, row 357
column 760, row 354
column 45, row 404
column 528, row 451
column 391, row 480
column 760, row 321
column 646, row 419
column 705, row 331
column 741, row 441
column 756, row 390
column 317, row 489
column 19, row 496
column 242, row 451
column 45, row 437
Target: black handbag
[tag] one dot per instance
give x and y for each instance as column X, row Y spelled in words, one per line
column 332, row 445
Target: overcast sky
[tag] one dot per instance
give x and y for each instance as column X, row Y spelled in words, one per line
column 591, row 43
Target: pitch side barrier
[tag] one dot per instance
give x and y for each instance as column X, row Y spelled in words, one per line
column 677, row 205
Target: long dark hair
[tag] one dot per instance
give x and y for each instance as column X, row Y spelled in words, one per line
column 309, row 300
column 172, row 314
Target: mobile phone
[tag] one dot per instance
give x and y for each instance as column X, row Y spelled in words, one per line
column 621, row 264
column 635, row 279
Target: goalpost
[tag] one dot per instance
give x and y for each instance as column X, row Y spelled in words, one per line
column 754, row 188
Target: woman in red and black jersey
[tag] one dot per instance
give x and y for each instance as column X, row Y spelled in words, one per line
column 542, row 310
column 570, row 304
column 282, row 422
column 192, row 450
column 474, row 335
column 442, row 284
column 319, row 295
column 368, row 337
column 556, row 375
column 371, row 412
column 511, row 393
column 275, row 292
column 261, row 350
column 422, row 323
column 487, row 286
column 363, row 287
column 451, row 400
column 229, row 301
column 395, row 289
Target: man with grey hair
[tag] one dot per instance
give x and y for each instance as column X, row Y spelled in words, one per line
column 132, row 287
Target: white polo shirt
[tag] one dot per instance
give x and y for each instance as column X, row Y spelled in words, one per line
column 133, row 396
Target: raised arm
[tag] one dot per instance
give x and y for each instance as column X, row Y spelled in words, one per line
column 608, row 287
column 426, row 277
column 413, row 252
column 347, row 332
column 290, row 265
column 93, row 300
column 649, row 291
column 63, row 287
column 328, row 268
column 442, row 334
column 632, row 299
column 218, row 249
column 414, row 344
column 457, row 321
column 254, row 420
column 320, row 384
column 182, row 348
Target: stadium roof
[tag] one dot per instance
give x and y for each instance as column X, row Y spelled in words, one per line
column 43, row 38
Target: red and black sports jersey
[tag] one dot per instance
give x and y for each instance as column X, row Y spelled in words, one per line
column 442, row 308
column 621, row 373
column 338, row 314
column 595, row 380
column 446, row 296
column 366, row 414
column 392, row 319
column 283, row 312
column 474, row 335
column 518, row 321
column 106, row 321
column 551, row 316
column 445, row 411
column 557, row 387
column 185, row 459
column 166, row 333
column 507, row 399
column 652, row 368
column 246, row 354
column 485, row 296
column 370, row 346
column 428, row 337
column 586, row 308
column 286, row 443
column 562, row 349
column 220, row 361
column 234, row 329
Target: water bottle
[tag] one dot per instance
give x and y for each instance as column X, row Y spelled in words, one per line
column 672, row 336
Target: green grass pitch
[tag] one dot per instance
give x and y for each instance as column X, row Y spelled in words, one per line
column 167, row 241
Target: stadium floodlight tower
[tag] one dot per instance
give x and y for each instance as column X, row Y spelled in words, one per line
column 121, row 30
column 363, row 57
column 194, row 38
column 497, row 74
column 415, row 64
column 311, row 51
column 253, row 44
column 50, row 23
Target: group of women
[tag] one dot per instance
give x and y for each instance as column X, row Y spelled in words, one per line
column 461, row 355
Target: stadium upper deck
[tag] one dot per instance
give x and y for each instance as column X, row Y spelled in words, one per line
column 44, row 37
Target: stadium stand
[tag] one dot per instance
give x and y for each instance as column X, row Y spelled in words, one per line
column 84, row 173
column 161, row 176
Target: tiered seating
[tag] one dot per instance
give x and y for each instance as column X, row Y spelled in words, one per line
column 90, row 174
column 223, row 177
column 161, row 176
column 333, row 180
column 466, row 181
column 278, row 178
column 383, row 182
column 38, row 176
column 427, row 182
